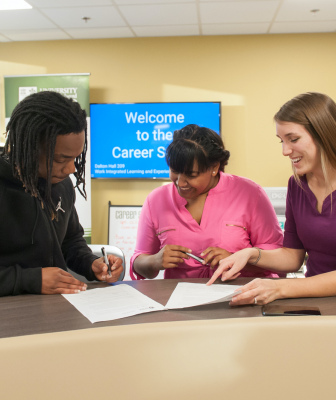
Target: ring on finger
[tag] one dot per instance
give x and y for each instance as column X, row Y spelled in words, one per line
column 255, row 301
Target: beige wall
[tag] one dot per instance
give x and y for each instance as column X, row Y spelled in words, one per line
column 251, row 75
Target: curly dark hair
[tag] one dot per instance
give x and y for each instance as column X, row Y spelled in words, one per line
column 35, row 122
column 194, row 143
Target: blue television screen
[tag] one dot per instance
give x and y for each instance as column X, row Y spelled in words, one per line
column 130, row 140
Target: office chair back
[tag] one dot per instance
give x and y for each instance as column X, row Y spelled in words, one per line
column 96, row 250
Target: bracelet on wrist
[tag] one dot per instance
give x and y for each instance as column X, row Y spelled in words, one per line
column 258, row 258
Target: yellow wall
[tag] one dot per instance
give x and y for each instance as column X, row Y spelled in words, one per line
column 251, row 75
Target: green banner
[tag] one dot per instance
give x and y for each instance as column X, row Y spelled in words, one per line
column 17, row 87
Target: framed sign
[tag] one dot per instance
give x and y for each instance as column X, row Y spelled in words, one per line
column 123, row 226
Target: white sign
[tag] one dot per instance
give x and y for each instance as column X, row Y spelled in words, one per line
column 123, row 227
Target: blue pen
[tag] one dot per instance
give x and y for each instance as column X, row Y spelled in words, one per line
column 106, row 261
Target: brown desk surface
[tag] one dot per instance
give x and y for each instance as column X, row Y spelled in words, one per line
column 35, row 314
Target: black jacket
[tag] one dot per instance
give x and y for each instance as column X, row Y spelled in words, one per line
column 30, row 240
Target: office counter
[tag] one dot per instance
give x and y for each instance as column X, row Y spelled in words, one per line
column 35, row 314
column 50, row 351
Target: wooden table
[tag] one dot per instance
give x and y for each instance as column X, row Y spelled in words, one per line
column 36, row 314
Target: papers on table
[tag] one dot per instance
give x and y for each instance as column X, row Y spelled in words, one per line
column 113, row 302
column 195, row 294
column 122, row 300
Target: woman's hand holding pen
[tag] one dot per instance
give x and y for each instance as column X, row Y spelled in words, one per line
column 100, row 269
column 213, row 255
column 171, row 255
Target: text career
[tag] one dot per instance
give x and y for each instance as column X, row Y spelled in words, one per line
column 117, row 152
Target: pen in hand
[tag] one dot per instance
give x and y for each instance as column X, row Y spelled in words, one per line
column 106, row 260
column 200, row 260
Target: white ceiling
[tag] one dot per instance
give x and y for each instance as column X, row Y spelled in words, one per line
column 63, row 19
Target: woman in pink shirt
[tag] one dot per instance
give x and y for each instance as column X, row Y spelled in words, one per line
column 204, row 211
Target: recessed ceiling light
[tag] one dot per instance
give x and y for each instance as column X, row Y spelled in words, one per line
column 314, row 10
column 14, row 5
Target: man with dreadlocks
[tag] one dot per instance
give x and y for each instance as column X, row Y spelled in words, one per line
column 40, row 234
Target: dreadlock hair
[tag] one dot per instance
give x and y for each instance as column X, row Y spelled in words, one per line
column 36, row 122
column 194, row 143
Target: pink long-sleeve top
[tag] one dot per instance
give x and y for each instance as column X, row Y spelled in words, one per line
column 237, row 214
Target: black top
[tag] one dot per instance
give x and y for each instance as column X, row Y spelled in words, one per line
column 30, row 240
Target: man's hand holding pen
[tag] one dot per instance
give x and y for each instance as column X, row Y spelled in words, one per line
column 101, row 268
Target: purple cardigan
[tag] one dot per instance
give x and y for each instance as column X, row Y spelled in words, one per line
column 306, row 228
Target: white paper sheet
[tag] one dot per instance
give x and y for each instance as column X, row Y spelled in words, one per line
column 195, row 294
column 122, row 300
column 112, row 302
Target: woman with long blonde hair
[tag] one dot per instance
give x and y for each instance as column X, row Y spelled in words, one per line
column 306, row 127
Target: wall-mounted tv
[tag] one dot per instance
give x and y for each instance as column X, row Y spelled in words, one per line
column 130, row 140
